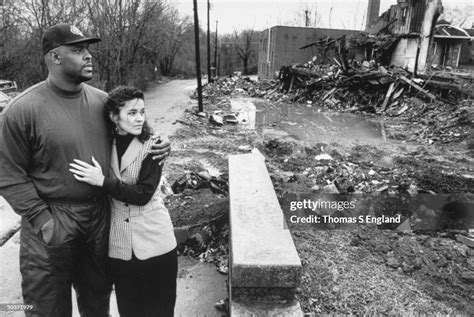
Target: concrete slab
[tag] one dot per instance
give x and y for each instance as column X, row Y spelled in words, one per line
column 262, row 250
column 200, row 285
column 257, row 309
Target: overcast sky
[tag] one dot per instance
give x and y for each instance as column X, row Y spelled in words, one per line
column 261, row 14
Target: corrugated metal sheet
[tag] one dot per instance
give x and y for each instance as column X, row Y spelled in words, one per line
column 407, row 16
column 417, row 15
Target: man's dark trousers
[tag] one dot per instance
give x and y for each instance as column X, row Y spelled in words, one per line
column 76, row 255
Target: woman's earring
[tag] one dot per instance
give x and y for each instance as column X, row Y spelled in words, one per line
column 116, row 130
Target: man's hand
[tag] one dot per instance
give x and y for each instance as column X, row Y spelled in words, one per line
column 91, row 174
column 161, row 149
column 47, row 230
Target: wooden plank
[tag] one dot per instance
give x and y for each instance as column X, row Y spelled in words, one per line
column 328, row 94
column 391, row 88
column 291, row 82
column 417, row 87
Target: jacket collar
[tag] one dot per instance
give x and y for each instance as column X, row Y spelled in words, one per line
column 127, row 158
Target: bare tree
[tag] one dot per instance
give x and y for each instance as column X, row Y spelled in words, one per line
column 227, row 55
column 137, row 37
column 24, row 23
column 124, row 28
column 459, row 16
column 243, row 46
column 174, row 31
column 306, row 15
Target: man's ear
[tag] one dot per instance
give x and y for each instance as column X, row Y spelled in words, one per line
column 55, row 57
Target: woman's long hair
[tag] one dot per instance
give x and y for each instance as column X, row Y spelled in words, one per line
column 117, row 98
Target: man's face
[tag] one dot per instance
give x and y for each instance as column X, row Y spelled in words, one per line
column 76, row 62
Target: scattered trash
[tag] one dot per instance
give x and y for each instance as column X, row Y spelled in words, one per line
column 231, row 118
column 330, row 189
column 222, row 305
column 196, row 181
column 245, row 148
column 469, row 241
column 405, row 226
column 323, row 156
column 216, row 119
column 223, row 267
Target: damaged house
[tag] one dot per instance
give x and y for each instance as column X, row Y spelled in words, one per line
column 466, row 59
column 447, row 45
column 413, row 23
column 407, row 35
column 401, row 36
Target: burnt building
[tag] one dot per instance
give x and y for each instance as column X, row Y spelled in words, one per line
column 413, row 23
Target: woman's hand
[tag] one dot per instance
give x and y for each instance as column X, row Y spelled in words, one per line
column 161, row 149
column 91, row 174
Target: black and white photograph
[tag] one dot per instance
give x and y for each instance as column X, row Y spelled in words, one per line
column 236, row 158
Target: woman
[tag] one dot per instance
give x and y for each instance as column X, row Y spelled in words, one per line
column 142, row 245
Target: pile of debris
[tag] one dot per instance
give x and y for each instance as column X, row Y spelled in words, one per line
column 202, row 179
column 365, row 87
column 365, row 169
column 226, row 86
column 440, row 114
column 442, row 123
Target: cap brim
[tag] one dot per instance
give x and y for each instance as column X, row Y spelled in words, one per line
column 84, row 40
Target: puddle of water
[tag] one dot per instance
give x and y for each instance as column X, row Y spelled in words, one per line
column 246, row 112
column 309, row 124
column 314, row 125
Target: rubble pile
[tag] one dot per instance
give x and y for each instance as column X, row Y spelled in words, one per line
column 365, row 169
column 344, row 177
column 227, row 86
column 442, row 123
column 365, row 87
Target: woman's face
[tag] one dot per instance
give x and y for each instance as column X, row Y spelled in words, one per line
column 130, row 118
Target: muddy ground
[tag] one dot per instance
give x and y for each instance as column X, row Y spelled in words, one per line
column 389, row 167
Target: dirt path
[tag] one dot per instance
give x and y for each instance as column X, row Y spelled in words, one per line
column 165, row 104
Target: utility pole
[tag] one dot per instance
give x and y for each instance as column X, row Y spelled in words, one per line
column 215, row 53
column 209, row 76
column 198, row 57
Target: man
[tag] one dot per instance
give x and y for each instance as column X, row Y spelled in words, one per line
column 65, row 223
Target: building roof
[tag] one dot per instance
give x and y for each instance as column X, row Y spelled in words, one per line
column 470, row 31
column 447, row 31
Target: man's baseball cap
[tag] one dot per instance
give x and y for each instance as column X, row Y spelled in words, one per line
column 64, row 34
